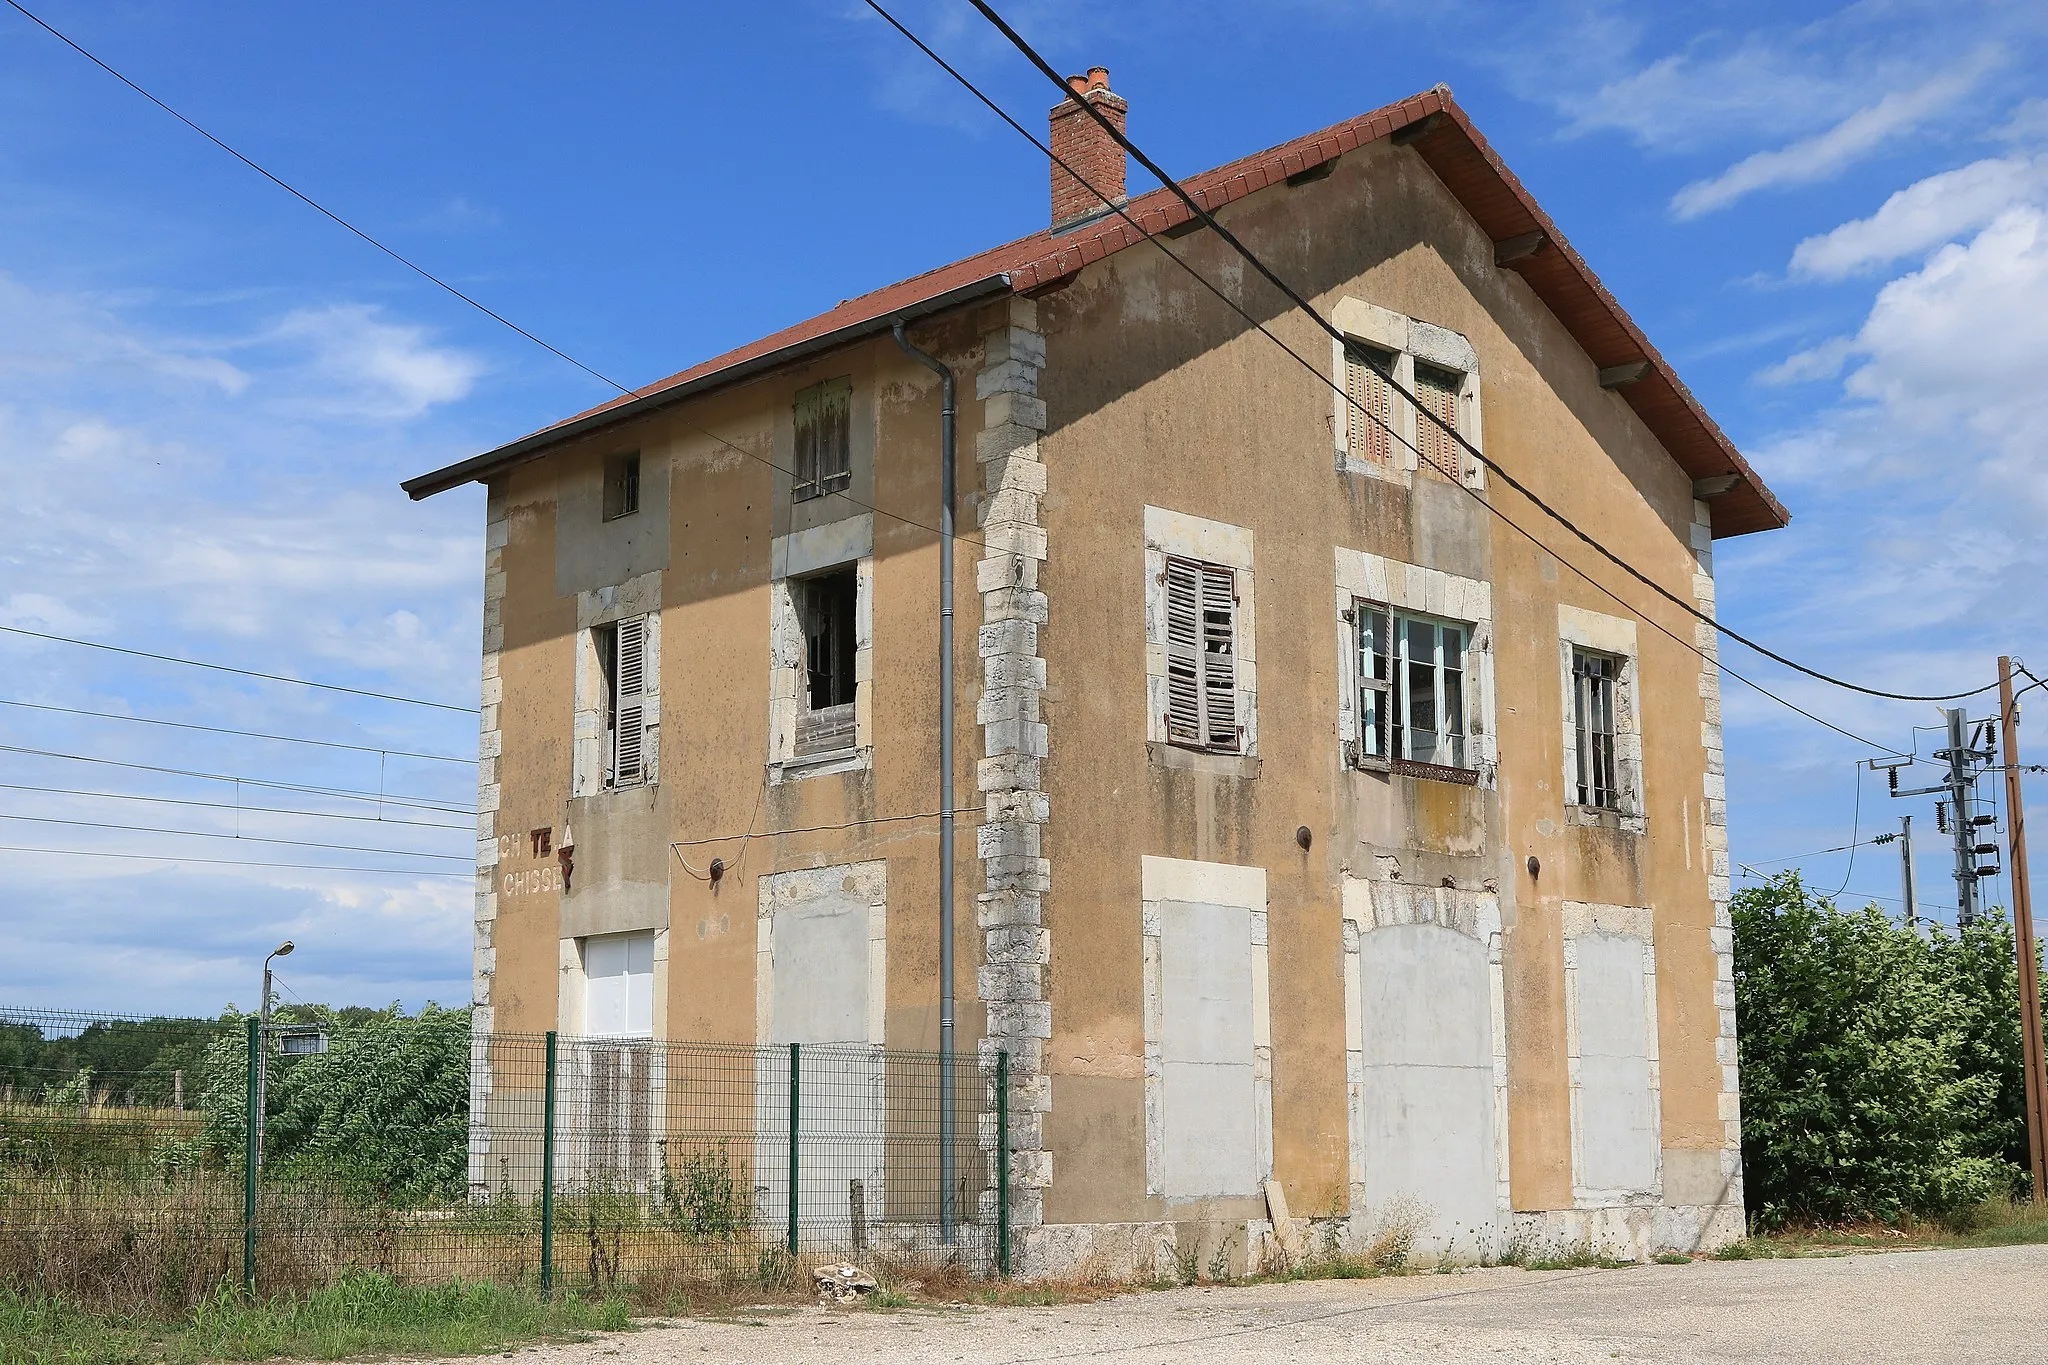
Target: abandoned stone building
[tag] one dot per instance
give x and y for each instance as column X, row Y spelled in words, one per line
column 1338, row 818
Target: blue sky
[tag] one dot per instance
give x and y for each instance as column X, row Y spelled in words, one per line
column 1834, row 220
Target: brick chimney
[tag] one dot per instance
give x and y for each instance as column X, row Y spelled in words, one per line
column 1080, row 142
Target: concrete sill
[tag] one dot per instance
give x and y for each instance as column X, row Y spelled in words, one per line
column 818, row 765
column 1599, row 817
column 1241, row 766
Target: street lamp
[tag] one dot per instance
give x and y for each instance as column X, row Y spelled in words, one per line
column 283, row 949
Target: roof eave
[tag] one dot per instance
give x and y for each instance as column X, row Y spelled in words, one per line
column 480, row 467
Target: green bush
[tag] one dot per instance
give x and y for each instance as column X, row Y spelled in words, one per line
column 384, row 1111
column 1881, row 1074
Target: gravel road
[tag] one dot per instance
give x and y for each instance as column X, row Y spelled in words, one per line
column 1988, row 1305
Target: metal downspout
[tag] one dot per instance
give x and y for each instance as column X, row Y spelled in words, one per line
column 947, row 1213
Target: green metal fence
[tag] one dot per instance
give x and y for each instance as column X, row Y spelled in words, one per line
column 414, row 1148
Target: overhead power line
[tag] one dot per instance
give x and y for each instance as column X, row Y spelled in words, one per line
column 227, row 862
column 223, row 730
column 224, row 668
column 338, row 793
column 244, row 838
column 440, row 283
column 1294, row 296
column 1122, row 212
column 223, row 805
column 1194, row 207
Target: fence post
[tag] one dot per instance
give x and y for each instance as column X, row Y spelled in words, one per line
column 794, row 1090
column 250, row 1139
column 547, row 1176
column 1003, row 1164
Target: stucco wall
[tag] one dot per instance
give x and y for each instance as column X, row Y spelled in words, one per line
column 1157, row 395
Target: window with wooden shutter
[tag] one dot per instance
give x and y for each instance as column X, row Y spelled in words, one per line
column 628, row 699
column 1375, row 716
column 1437, row 392
column 824, row 439
column 1368, row 403
column 1201, row 656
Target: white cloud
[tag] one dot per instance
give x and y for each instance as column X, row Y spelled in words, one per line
column 1824, row 361
column 377, row 370
column 1827, row 154
column 1922, row 215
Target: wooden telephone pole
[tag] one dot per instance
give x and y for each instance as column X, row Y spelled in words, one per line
column 2023, row 938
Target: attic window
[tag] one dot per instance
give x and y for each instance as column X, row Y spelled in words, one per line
column 621, row 486
column 824, row 446
column 1369, row 402
column 1438, row 392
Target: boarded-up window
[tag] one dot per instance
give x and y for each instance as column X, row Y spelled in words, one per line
column 1437, row 393
column 1369, row 403
column 622, row 653
column 1201, row 656
column 824, row 446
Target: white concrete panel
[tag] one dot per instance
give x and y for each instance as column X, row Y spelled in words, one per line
column 1617, row 1109
column 1212, row 1141
column 1206, row 984
column 820, row 970
column 618, row 990
column 1428, row 1081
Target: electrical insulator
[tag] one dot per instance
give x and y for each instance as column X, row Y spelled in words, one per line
column 1982, row 820
column 1982, row 849
column 1991, row 871
column 1891, row 777
column 1941, row 817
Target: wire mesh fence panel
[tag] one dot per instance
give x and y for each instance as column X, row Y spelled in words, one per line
column 412, row 1147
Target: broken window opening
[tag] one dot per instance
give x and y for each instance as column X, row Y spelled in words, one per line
column 621, row 486
column 824, row 439
column 825, row 607
column 1201, row 657
column 1597, row 779
column 1411, row 687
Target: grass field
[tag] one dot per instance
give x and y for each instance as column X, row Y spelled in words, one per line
column 365, row 1314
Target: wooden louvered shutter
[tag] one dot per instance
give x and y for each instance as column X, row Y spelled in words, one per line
column 1219, row 658
column 804, row 473
column 835, row 435
column 1183, row 652
column 629, row 710
column 1369, row 406
column 1437, row 392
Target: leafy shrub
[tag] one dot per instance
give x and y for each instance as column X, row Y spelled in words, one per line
column 1881, row 1074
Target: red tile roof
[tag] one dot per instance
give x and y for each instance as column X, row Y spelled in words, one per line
column 1431, row 123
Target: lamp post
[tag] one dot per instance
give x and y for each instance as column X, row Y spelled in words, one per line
column 283, row 949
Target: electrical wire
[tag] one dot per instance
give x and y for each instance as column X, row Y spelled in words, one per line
column 1855, row 827
column 223, row 730
column 224, row 668
column 244, row 838
column 338, row 793
column 1017, row 40
column 1171, row 184
column 440, row 283
column 1122, row 212
column 224, row 805
column 1820, row 852
column 229, row 862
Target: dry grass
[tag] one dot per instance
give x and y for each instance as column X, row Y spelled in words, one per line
column 1995, row 1222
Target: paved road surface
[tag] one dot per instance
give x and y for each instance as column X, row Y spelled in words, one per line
column 1988, row 1305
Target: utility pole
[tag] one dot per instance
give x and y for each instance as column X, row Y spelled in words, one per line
column 2023, row 936
column 1961, row 830
column 1906, row 870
